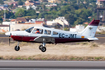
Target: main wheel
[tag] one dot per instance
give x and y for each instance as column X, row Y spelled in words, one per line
column 40, row 47
column 17, row 48
column 43, row 49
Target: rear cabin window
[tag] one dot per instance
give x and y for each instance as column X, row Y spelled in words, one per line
column 37, row 31
column 47, row 32
column 55, row 33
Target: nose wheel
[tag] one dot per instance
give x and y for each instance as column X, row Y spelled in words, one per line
column 17, row 48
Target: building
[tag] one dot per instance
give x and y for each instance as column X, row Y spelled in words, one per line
column 62, row 21
column 4, row 7
column 28, row 3
column 33, row 7
column 100, row 3
column 78, row 28
column 50, row 23
column 31, row 4
column 54, row 1
column 25, row 25
column 14, row 3
column 43, row 0
column 101, row 11
column 32, row 20
column 20, row 20
column 4, row 28
column 51, row 5
column 21, row 24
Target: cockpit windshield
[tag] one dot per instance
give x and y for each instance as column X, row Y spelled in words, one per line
column 29, row 30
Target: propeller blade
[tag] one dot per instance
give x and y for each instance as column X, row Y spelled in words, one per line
column 10, row 39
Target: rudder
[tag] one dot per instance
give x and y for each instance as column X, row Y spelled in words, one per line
column 90, row 30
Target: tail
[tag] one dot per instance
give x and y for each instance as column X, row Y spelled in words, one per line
column 90, row 30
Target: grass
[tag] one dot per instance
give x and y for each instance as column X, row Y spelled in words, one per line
column 103, row 32
column 56, row 58
column 82, row 43
column 94, row 45
column 2, row 33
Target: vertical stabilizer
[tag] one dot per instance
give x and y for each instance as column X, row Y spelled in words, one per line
column 90, row 30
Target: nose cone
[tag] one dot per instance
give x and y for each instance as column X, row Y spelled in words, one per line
column 8, row 33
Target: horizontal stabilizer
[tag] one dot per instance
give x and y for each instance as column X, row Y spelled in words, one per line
column 93, row 38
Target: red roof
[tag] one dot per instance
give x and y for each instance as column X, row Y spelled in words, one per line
column 38, row 22
column 21, row 19
column 13, row 20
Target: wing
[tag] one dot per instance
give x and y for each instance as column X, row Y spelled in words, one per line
column 46, row 39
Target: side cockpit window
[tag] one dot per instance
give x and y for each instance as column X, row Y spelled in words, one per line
column 47, row 32
column 29, row 30
column 55, row 33
column 37, row 31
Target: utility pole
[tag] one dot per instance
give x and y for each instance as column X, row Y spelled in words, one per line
column 77, row 2
column 4, row 15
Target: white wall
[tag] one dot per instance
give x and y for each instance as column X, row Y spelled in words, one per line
column 23, row 26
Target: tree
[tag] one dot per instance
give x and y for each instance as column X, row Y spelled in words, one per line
column 20, row 13
column 45, row 0
column 43, row 7
column 1, row 20
column 35, row 0
column 48, row 17
column 70, row 18
column 20, row 2
column 32, row 12
column 11, row 6
column 9, row 14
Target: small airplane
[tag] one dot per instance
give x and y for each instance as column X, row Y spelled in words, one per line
column 53, row 36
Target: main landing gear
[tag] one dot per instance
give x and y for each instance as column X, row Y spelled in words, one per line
column 42, row 47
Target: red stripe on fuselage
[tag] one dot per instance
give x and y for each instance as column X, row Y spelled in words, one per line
column 57, row 40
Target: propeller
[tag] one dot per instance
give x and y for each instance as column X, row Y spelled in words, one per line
column 10, row 34
column 10, row 39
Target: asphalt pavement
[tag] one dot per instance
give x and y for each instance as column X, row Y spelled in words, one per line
column 53, row 64
column 45, row 69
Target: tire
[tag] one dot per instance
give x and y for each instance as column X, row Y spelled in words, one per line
column 40, row 47
column 17, row 48
column 43, row 49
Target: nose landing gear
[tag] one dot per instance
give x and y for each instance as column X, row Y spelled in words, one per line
column 17, row 48
column 41, row 47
